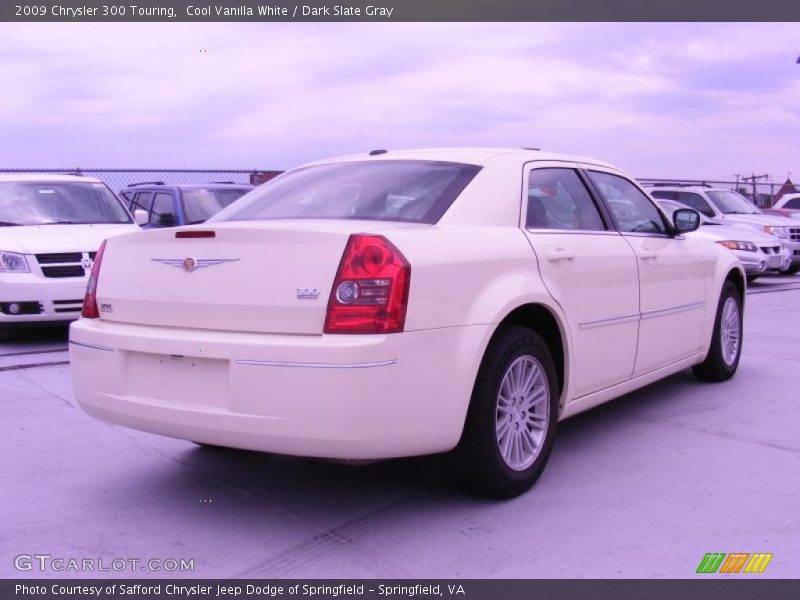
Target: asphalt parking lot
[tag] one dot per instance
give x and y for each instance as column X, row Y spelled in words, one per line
column 640, row 487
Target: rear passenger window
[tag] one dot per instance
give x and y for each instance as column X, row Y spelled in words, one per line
column 697, row 202
column 690, row 199
column 558, row 199
column 793, row 203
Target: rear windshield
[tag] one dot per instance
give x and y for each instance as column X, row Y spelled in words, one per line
column 386, row 190
column 199, row 205
column 53, row 203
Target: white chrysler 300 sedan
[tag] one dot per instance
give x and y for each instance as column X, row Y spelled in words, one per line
column 406, row 303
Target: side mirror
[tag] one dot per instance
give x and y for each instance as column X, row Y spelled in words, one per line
column 686, row 220
column 140, row 216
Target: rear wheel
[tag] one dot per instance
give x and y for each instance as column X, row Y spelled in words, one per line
column 726, row 343
column 511, row 422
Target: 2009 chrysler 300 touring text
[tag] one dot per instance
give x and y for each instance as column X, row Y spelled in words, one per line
column 406, row 303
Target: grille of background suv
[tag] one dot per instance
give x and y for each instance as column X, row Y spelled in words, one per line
column 63, row 264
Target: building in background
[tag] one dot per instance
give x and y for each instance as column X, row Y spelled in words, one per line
column 259, row 177
column 786, row 188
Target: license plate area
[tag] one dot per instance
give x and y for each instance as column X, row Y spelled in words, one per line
column 774, row 260
column 173, row 379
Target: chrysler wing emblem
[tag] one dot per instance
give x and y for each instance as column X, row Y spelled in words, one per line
column 190, row 263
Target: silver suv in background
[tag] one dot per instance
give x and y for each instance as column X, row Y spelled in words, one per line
column 730, row 208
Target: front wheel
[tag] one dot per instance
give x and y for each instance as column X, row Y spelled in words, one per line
column 511, row 422
column 726, row 343
column 791, row 270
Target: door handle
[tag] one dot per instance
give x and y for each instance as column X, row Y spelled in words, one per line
column 559, row 254
column 647, row 255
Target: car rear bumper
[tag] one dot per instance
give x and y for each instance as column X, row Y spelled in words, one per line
column 41, row 300
column 332, row 396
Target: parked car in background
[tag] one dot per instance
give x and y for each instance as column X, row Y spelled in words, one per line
column 50, row 229
column 407, row 303
column 181, row 204
column 732, row 207
column 788, row 201
column 758, row 252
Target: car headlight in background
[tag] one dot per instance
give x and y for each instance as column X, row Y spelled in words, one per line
column 737, row 245
column 11, row 262
column 776, row 231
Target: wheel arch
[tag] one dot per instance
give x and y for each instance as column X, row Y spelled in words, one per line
column 726, row 267
column 547, row 323
column 738, row 278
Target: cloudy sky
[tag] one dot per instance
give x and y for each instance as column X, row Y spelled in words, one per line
column 659, row 100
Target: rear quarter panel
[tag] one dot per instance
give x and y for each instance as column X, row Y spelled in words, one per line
column 467, row 275
column 472, row 277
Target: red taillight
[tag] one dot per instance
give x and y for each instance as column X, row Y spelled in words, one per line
column 370, row 292
column 90, row 310
column 194, row 233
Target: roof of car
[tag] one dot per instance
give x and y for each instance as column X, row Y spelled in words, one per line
column 46, row 177
column 186, row 186
column 685, row 188
column 476, row 156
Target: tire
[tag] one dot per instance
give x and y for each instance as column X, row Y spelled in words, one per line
column 752, row 278
column 791, row 270
column 514, row 352
column 723, row 360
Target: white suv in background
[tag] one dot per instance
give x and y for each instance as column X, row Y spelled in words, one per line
column 50, row 229
column 788, row 201
column 731, row 207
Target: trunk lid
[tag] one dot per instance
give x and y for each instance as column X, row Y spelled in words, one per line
column 266, row 276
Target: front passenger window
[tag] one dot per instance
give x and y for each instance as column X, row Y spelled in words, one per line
column 142, row 201
column 631, row 208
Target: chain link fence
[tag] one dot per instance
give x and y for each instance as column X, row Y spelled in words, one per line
column 118, row 179
column 762, row 193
